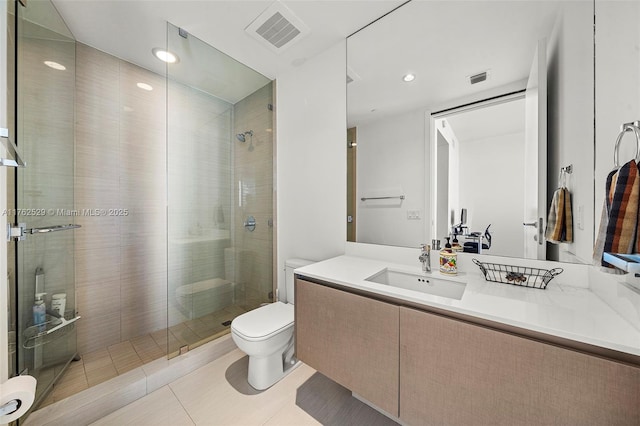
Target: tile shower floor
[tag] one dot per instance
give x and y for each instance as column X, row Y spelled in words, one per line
column 101, row 365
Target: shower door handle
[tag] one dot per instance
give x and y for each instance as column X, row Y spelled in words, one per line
column 250, row 223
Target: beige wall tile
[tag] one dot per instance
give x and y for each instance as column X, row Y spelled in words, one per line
column 135, row 324
column 98, row 332
column 121, row 156
column 98, row 298
column 97, row 265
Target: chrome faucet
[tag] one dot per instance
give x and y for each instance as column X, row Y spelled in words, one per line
column 425, row 257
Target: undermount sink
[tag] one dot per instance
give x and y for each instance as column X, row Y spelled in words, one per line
column 424, row 283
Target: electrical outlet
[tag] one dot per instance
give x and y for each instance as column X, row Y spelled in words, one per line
column 413, row 214
column 580, row 218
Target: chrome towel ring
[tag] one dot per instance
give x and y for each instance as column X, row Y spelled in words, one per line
column 627, row 127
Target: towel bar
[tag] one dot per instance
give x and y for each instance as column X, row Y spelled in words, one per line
column 627, row 127
column 381, row 198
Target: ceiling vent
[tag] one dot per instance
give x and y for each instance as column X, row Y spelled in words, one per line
column 479, row 78
column 277, row 28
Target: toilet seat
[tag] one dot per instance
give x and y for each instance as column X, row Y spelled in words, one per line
column 264, row 322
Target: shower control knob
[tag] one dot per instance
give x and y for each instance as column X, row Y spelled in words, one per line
column 250, row 223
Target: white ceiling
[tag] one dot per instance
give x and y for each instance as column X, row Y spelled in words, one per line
column 129, row 29
column 443, row 43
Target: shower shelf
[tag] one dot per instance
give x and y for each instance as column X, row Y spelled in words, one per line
column 52, row 329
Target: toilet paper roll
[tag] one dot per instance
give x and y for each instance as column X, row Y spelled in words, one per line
column 21, row 389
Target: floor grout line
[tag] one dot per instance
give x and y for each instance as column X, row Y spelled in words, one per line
column 182, row 405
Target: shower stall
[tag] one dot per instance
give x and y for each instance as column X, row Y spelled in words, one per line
column 147, row 203
column 220, row 190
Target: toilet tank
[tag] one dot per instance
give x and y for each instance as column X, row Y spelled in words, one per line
column 289, row 266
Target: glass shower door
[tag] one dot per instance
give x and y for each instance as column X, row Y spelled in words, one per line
column 220, row 185
column 43, row 196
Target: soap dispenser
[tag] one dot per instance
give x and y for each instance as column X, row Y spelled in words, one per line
column 455, row 244
column 448, row 260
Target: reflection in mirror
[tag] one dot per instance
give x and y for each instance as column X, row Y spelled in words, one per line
column 464, row 139
column 500, row 100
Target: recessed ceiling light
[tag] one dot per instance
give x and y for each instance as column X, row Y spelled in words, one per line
column 165, row 55
column 55, row 65
column 145, row 86
column 409, row 77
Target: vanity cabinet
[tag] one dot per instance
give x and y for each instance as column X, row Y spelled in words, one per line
column 351, row 339
column 428, row 368
column 457, row 373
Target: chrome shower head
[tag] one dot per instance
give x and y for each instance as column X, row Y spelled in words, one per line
column 242, row 137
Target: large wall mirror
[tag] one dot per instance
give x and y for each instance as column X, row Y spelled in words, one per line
column 473, row 106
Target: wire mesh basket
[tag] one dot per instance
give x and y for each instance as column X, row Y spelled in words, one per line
column 517, row 275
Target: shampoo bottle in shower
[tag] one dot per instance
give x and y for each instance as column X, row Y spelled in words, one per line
column 39, row 312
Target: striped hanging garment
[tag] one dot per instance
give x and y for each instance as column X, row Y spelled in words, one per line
column 618, row 232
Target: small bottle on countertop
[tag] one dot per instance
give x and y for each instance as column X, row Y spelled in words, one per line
column 448, row 260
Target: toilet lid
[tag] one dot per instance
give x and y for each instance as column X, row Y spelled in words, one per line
column 265, row 320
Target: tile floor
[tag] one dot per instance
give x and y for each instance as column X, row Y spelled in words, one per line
column 101, row 365
column 218, row 394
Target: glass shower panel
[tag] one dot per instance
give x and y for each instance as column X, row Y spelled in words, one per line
column 212, row 256
column 11, row 102
column 44, row 195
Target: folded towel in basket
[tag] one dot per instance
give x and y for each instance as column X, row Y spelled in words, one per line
column 560, row 219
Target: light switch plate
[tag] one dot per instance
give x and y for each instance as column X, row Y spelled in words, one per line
column 580, row 218
column 413, row 214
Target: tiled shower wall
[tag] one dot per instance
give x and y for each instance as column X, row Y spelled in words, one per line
column 121, row 257
column 122, row 162
column 253, row 183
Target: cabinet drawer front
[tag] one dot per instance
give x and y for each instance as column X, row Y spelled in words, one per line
column 351, row 339
column 456, row 373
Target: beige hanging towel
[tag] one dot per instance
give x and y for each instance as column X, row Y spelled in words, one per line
column 560, row 219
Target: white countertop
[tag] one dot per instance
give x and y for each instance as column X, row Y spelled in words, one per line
column 561, row 310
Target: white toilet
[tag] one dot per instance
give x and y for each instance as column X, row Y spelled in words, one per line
column 266, row 335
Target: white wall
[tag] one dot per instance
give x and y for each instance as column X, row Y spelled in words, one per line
column 391, row 161
column 570, row 140
column 311, row 159
column 492, row 190
column 617, row 85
